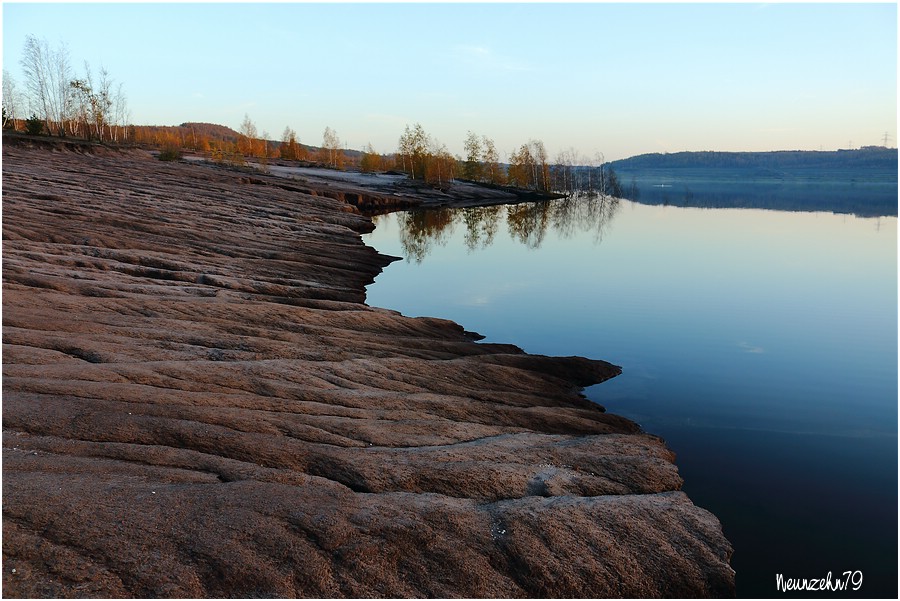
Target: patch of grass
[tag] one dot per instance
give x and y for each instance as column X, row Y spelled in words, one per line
column 170, row 153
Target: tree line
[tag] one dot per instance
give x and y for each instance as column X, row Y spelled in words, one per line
column 528, row 166
column 86, row 105
column 60, row 101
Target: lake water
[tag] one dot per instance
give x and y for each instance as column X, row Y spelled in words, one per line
column 762, row 345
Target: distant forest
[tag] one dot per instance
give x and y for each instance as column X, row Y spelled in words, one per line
column 866, row 157
column 862, row 181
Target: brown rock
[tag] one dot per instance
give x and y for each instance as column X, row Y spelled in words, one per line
column 198, row 403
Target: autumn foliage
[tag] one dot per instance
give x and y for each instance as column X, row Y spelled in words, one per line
column 89, row 106
column 371, row 161
column 424, row 158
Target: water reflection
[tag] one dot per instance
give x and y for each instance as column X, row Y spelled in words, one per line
column 761, row 345
column 481, row 226
column 528, row 223
column 585, row 213
column 872, row 195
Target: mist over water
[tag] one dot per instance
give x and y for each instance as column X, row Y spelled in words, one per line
column 762, row 345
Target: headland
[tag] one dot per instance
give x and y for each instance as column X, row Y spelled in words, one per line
column 198, row 402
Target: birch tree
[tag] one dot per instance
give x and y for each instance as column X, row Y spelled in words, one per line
column 47, row 77
column 288, row 148
column 11, row 102
column 472, row 168
column 102, row 104
column 79, row 114
column 332, row 146
column 540, row 167
column 265, row 143
column 247, row 140
column 521, row 167
column 91, row 101
column 440, row 165
column 413, row 151
column 564, row 175
column 35, row 66
column 120, row 113
column 491, row 161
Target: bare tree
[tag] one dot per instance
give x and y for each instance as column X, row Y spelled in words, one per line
column 120, row 112
column 11, row 101
column 600, row 158
column 248, row 136
column 264, row 157
column 35, row 67
column 540, row 167
column 102, row 105
column 47, row 78
column 562, row 171
column 332, row 146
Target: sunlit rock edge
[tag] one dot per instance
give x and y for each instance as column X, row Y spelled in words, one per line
column 197, row 402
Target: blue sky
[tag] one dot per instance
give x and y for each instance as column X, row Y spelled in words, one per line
column 621, row 79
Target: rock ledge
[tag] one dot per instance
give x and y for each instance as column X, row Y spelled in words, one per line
column 198, row 403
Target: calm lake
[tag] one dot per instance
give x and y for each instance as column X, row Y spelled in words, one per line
column 762, row 345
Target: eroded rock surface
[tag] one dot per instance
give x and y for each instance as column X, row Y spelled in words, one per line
column 197, row 402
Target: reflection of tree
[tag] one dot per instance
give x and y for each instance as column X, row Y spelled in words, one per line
column 528, row 222
column 420, row 230
column 564, row 218
column 584, row 211
column 481, row 226
column 578, row 212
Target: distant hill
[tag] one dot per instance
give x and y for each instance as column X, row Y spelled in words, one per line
column 221, row 132
column 866, row 157
column 213, row 130
column 862, row 182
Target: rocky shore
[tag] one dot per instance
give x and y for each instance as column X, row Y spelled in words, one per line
column 197, row 402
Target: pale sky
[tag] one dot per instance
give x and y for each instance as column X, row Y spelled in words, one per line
column 621, row 79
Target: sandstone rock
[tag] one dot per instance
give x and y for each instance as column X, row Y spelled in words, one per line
column 197, row 402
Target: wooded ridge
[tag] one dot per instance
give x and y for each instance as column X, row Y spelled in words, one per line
column 868, row 156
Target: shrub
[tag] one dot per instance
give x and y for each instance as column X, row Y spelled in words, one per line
column 170, row 153
column 34, row 125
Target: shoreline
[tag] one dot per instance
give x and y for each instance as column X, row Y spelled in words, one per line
column 199, row 403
